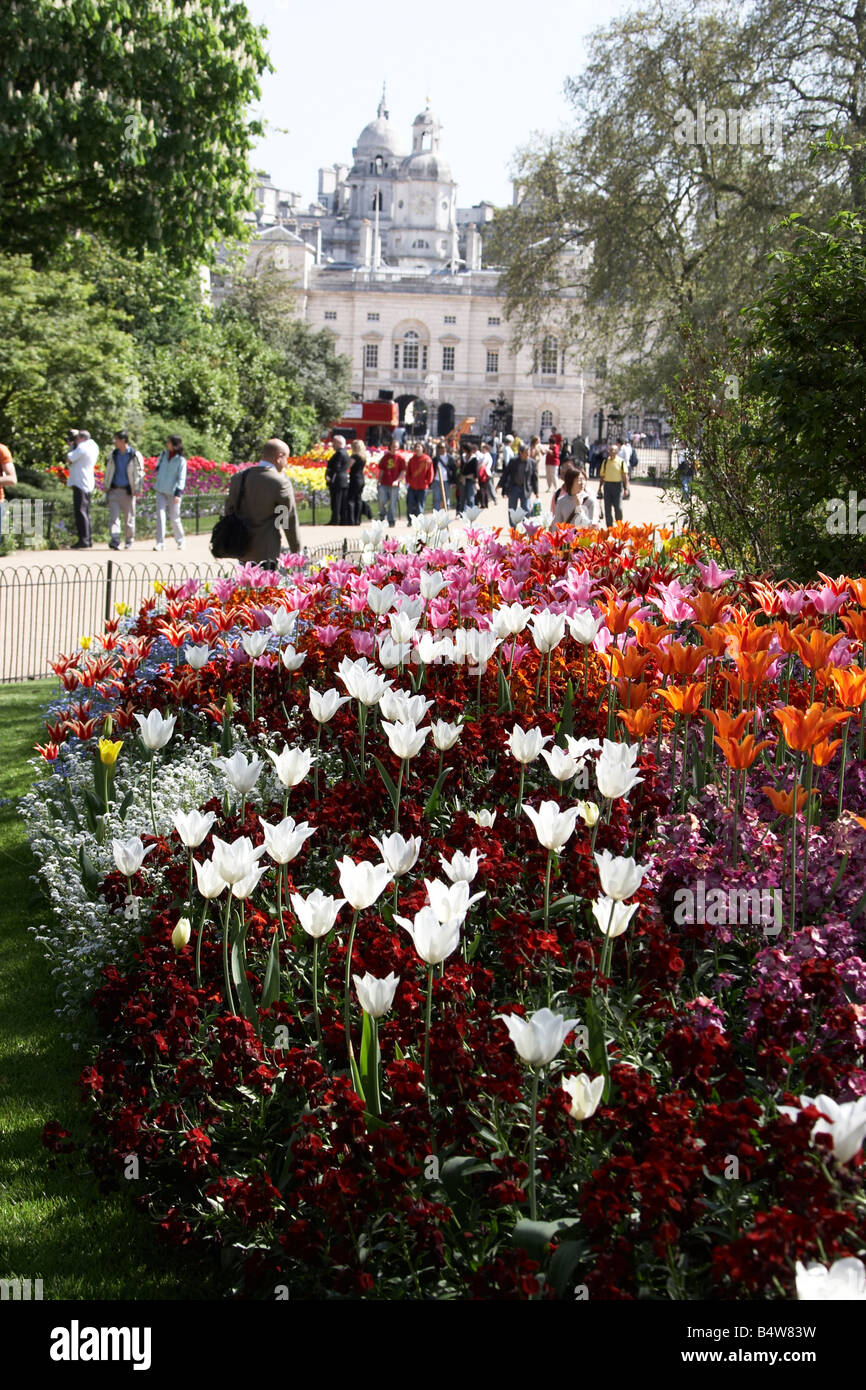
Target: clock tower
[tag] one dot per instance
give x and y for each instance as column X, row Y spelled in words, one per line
column 422, row 232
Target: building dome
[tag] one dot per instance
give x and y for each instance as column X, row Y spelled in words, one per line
column 379, row 137
column 428, row 165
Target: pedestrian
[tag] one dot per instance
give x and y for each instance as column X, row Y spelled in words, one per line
column 614, row 484
column 441, row 478
column 8, row 476
column 419, row 476
column 551, row 459
column 633, row 461
column 122, row 484
column 536, row 454
column 390, row 471
column 355, row 490
column 468, row 480
column 398, row 437
column 170, row 486
column 337, row 480
column 516, row 480
column 81, row 458
column 506, row 453
column 575, row 505
column 580, row 451
column 264, row 499
column 596, row 455
column 485, row 475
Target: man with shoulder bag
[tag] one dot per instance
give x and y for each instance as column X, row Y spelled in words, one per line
column 122, row 484
column 260, row 505
column 613, row 485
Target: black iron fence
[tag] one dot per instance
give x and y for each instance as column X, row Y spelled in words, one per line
column 47, row 609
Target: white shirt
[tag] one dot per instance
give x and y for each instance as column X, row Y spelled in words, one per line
column 81, row 462
column 625, row 453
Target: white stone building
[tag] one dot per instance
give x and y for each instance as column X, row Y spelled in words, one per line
column 387, row 261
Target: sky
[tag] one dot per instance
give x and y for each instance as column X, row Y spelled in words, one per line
column 493, row 70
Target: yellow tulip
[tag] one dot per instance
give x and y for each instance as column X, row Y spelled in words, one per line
column 158, row 586
column 121, row 609
column 86, row 643
column 109, row 750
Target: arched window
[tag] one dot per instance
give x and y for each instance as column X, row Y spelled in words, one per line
column 547, row 419
column 549, row 357
column 420, row 245
column 410, row 351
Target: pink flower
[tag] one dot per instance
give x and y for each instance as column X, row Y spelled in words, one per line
column 328, row 635
column 509, row 591
column 712, row 576
column 363, row 642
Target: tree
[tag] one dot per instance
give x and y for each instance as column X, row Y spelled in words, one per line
column 653, row 210
column 62, row 363
column 127, row 118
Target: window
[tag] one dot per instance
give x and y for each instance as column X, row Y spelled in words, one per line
column 410, row 351
column 396, row 357
column 450, row 318
column 372, row 318
column 549, row 357
column 376, row 202
column 330, row 313
column 420, row 245
column 448, row 359
column 547, row 419
column 424, row 357
column 371, row 354
column 493, row 321
column 492, row 363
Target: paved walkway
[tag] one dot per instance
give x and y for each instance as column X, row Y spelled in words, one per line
column 645, row 506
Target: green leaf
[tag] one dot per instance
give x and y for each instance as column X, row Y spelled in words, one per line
column 239, row 976
column 564, row 1263
column 456, row 1170
column 271, row 986
column 369, row 1056
column 562, row 905
column 433, row 800
column 535, row 1236
column 126, row 803
column 90, row 875
column 390, row 785
column 566, row 719
column 356, row 1079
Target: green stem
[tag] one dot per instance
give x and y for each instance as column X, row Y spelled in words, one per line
column 842, row 769
column 252, row 688
column 399, row 793
column 347, row 999
column 520, row 791
column 427, row 1032
column 533, row 1121
column 547, row 915
column 376, row 1099
column 150, row 792
column 316, row 763
column 316, row 999
column 198, row 946
column 226, row 972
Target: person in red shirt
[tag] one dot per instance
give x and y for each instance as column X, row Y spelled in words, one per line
column 419, row 477
column 551, row 462
column 390, row 472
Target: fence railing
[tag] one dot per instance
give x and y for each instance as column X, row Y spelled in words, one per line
column 47, row 609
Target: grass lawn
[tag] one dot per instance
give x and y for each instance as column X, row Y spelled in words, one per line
column 54, row 1222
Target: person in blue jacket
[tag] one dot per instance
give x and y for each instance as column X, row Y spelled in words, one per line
column 170, row 485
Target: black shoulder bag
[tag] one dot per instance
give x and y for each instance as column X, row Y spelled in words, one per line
column 230, row 537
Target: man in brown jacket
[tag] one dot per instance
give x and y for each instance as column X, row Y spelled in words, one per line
column 268, row 505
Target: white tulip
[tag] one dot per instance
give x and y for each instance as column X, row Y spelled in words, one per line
column 324, row 707
column 364, row 882
column 584, row 627
column 484, row 819
column 292, row 765
column 129, row 854
column 197, row 657
column 181, row 934
column 209, row 880
column 255, row 643
column 480, row 646
column 393, row 654
column 553, row 828
column 380, row 600
column 844, row 1121
column 434, row 941
column 561, row 764
column 291, row 659
column 374, row 995
column 316, row 913
column 431, row 583
column 245, row 887
column 580, row 747
column 548, row 630
column 240, row 774
column 193, row 827
column 516, row 516
column 845, row 1280
column 621, row 876
column 154, row 730
column 510, row 619
column 285, row 840
column 450, row 901
column 585, row 1094
column 612, row 915
column 412, row 607
column 405, row 740
column 400, row 706
column 236, row 861
column 362, row 680
column 526, row 745
column 615, row 781
column 400, row 855
column 538, row 1038
column 283, row 621
column 589, row 812
column 461, row 868
column 445, row 735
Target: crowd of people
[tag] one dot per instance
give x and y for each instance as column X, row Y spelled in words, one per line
column 468, row 475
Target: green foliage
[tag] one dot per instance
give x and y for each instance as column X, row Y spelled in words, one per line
column 127, row 119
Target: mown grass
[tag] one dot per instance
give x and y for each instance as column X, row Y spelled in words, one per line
column 55, row 1224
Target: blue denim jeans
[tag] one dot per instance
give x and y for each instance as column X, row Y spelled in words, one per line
column 389, row 502
column 416, row 498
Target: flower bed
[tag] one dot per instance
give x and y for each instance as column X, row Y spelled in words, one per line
column 510, row 941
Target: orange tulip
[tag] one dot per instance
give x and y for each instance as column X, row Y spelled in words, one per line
column 714, row 638
column 814, row 649
column 741, row 755
column 639, row 722
column 753, row 666
column 746, row 636
column 630, row 662
column 861, row 820
column 677, row 659
column 803, row 729
column 855, row 625
column 709, row 607
column 729, row 725
column 618, row 615
column 850, row 683
column 824, row 751
column 632, row 694
column 858, row 589
column 649, row 634
column 784, row 801
column 686, row 699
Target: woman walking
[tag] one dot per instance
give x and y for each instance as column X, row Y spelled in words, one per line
column 355, row 493
column 170, row 486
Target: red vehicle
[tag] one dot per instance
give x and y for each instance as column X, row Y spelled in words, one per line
column 372, row 421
